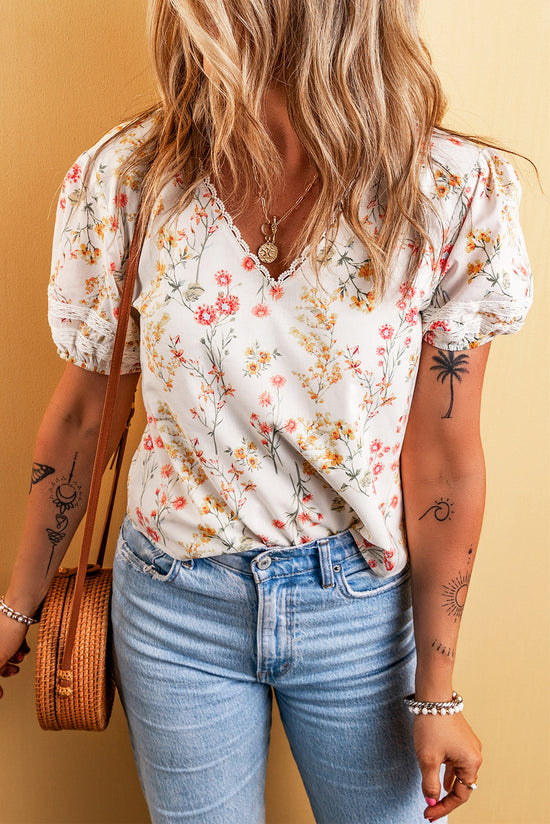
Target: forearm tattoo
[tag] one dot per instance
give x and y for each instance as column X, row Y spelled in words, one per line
column 452, row 366
column 39, row 472
column 454, row 595
column 442, row 510
column 66, row 495
column 443, row 649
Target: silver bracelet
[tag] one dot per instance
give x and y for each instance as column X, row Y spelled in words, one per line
column 17, row 616
column 456, row 704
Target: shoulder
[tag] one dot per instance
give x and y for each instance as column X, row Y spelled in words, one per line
column 100, row 170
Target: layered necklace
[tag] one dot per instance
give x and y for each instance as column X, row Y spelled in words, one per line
column 268, row 251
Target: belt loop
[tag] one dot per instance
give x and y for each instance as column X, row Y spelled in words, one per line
column 327, row 576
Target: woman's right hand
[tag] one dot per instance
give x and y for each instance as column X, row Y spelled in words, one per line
column 13, row 646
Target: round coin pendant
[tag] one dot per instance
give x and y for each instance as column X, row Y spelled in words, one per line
column 268, row 252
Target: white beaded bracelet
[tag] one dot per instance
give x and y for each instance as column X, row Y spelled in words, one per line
column 17, row 616
column 456, row 704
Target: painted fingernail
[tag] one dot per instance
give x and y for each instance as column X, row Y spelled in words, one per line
column 431, row 802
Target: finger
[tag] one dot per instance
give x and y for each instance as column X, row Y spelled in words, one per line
column 458, row 795
column 8, row 670
column 449, row 777
column 431, row 785
column 24, row 648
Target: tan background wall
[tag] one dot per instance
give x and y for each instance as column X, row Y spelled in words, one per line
column 71, row 70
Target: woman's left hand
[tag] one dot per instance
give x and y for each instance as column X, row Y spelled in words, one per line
column 446, row 740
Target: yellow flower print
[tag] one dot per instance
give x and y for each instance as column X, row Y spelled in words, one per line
column 474, row 269
column 471, row 245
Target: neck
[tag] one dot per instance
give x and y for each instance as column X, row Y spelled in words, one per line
column 279, row 128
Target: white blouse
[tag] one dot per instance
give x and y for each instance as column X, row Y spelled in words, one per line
column 276, row 409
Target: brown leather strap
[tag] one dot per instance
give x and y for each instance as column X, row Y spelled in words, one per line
column 102, row 444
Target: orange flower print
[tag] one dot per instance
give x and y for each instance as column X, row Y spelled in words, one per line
column 265, row 399
column 278, row 381
column 121, row 200
column 179, row 503
column 276, row 292
column 248, row 264
column 279, row 524
column 148, row 443
column 261, row 310
column 166, row 471
column 290, row 425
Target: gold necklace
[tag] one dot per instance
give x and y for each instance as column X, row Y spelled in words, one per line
column 268, row 251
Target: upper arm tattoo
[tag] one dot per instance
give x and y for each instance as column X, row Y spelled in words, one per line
column 452, row 366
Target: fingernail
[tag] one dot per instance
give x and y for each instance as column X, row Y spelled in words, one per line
column 431, row 802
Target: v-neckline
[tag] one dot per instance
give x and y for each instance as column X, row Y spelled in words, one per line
column 244, row 245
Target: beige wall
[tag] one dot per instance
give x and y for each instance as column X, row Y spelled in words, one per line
column 70, row 71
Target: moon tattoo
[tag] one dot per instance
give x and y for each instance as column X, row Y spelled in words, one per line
column 66, row 495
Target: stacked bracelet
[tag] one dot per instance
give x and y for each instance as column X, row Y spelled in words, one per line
column 456, row 704
column 17, row 616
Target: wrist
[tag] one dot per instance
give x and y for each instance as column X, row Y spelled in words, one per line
column 433, row 685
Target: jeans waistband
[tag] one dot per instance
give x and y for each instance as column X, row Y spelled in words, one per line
column 322, row 553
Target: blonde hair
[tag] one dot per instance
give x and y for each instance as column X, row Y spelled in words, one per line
column 362, row 97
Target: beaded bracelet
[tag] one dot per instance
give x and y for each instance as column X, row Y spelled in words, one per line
column 17, row 616
column 456, row 704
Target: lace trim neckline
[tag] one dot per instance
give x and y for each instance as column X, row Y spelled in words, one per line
column 244, row 245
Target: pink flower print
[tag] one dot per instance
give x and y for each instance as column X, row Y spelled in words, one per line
column 276, row 292
column 304, row 518
column 407, row 341
column 412, row 316
column 179, row 503
column 305, row 539
column 223, row 278
column 371, row 563
column 401, row 304
column 388, row 563
column 279, row 524
column 121, row 200
column 264, row 427
column 148, row 443
column 206, row 315
column 227, row 304
column 290, row 425
column 380, row 351
column 248, row 263
column 307, row 498
column 140, row 517
column 376, row 446
column 73, row 175
column 377, row 469
column 394, row 501
column 261, row 310
column 455, row 141
column 159, row 442
column 62, row 204
column 278, row 381
column 265, row 399
column 386, row 331
column 166, row 471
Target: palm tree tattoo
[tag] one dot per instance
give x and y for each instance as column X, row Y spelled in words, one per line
column 452, row 366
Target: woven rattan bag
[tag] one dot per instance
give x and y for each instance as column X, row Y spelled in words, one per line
column 74, row 685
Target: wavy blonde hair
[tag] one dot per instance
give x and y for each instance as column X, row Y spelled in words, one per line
column 362, row 97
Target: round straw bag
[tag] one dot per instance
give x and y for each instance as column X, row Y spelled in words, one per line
column 82, row 698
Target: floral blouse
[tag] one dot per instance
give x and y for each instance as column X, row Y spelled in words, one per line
column 276, row 409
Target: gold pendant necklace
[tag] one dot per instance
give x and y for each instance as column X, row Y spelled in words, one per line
column 268, row 251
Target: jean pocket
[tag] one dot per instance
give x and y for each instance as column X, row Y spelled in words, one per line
column 144, row 556
column 357, row 580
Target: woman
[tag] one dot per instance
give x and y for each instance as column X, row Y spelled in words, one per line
column 305, row 503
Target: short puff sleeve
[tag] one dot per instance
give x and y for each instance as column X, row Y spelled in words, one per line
column 93, row 231
column 485, row 283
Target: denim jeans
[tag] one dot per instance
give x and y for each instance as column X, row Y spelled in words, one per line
column 200, row 648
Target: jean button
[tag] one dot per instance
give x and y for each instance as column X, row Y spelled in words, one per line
column 264, row 562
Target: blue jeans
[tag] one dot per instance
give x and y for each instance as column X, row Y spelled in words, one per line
column 201, row 646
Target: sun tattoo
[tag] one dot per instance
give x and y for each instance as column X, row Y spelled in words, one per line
column 442, row 510
column 454, row 595
column 66, row 495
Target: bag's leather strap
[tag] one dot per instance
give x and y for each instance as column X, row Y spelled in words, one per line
column 65, row 672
